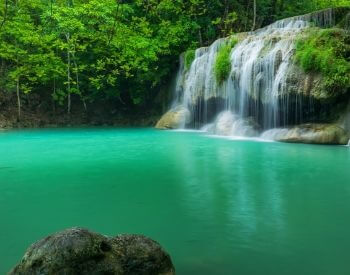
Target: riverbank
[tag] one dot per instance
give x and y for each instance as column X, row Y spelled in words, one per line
column 52, row 120
column 39, row 112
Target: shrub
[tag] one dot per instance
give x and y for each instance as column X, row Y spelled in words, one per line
column 326, row 52
column 222, row 66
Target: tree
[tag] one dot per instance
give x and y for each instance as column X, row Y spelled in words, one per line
column 254, row 15
column 117, row 51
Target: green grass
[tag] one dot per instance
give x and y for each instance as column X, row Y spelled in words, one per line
column 222, row 66
column 326, row 52
column 189, row 57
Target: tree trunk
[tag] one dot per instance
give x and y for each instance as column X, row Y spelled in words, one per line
column 199, row 34
column 246, row 17
column 281, row 8
column 110, row 37
column 53, row 99
column 200, row 38
column 274, row 7
column 254, row 18
column 68, row 76
column 77, row 79
column 18, row 101
column 274, row 10
column 224, row 31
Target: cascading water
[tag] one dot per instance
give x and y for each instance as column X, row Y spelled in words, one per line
column 255, row 95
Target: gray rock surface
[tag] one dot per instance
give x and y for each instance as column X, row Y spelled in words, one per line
column 79, row 251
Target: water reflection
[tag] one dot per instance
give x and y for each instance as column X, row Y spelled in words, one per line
column 252, row 191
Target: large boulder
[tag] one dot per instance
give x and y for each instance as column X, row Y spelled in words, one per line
column 79, row 251
column 175, row 118
column 313, row 134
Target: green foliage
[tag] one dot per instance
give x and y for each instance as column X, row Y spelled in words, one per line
column 233, row 41
column 103, row 49
column 222, row 66
column 93, row 49
column 189, row 57
column 327, row 52
column 272, row 10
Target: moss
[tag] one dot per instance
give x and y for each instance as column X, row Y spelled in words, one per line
column 233, row 41
column 189, row 57
column 326, row 51
column 222, row 66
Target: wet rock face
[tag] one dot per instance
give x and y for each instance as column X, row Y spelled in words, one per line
column 314, row 134
column 79, row 251
column 174, row 119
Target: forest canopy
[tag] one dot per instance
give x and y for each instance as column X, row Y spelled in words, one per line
column 120, row 49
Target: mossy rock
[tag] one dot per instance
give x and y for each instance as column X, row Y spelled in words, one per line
column 331, row 134
column 325, row 52
column 79, row 251
column 189, row 58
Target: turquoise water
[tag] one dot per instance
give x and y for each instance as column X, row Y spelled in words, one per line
column 218, row 206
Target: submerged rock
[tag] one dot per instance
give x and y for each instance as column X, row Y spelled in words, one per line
column 79, row 251
column 174, row 118
column 310, row 133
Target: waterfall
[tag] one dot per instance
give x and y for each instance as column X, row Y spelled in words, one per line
column 256, row 95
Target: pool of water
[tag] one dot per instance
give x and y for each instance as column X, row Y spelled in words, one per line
column 217, row 206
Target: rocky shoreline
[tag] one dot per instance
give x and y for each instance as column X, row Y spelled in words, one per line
column 228, row 124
